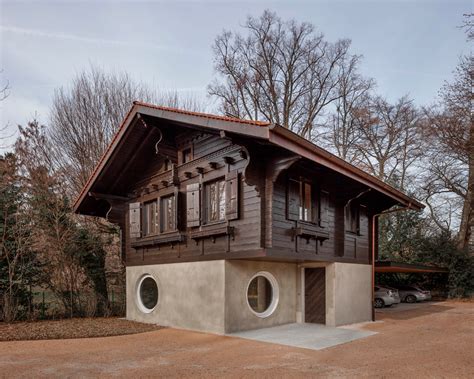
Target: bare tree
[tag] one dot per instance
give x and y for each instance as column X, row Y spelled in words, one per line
column 389, row 140
column 450, row 134
column 54, row 232
column 283, row 72
column 342, row 127
column 468, row 26
column 85, row 116
column 4, row 92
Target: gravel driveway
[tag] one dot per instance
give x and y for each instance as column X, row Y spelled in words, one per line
column 433, row 340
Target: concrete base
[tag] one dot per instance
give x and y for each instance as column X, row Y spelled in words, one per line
column 348, row 293
column 308, row 336
column 211, row 296
column 191, row 295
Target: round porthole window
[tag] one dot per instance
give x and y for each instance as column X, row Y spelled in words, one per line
column 262, row 294
column 147, row 293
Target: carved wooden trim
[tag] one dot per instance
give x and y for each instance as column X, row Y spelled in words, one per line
column 212, row 233
column 309, row 234
column 159, row 240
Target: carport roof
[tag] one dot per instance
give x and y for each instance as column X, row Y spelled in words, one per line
column 389, row 266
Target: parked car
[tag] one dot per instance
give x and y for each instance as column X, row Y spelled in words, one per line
column 412, row 293
column 385, row 297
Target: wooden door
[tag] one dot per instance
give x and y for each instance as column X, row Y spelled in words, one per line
column 315, row 295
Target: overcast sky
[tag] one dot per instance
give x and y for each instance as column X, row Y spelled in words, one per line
column 408, row 46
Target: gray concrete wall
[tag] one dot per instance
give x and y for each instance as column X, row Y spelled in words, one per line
column 238, row 315
column 212, row 296
column 191, row 295
column 348, row 293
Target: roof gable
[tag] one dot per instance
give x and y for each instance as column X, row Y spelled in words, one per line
column 255, row 129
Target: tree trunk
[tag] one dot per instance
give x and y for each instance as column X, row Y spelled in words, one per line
column 465, row 236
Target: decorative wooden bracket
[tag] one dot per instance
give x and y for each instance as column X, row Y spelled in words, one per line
column 174, row 175
column 229, row 160
column 279, row 164
column 104, row 196
column 172, row 239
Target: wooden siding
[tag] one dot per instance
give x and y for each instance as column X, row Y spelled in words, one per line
column 339, row 246
column 257, row 224
column 213, row 157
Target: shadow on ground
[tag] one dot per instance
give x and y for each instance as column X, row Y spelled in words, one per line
column 409, row 311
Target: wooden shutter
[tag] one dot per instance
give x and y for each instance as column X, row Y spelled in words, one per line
column 134, row 220
column 363, row 221
column 176, row 209
column 347, row 218
column 293, row 200
column 232, row 195
column 315, row 204
column 192, row 205
column 324, row 209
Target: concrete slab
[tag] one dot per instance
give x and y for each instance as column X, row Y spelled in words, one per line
column 307, row 336
column 403, row 307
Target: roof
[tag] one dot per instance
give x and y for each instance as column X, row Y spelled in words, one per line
column 275, row 134
column 204, row 115
column 390, row 266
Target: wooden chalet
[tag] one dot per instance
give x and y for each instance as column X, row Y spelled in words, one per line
column 230, row 224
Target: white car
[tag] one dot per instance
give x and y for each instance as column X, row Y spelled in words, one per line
column 412, row 294
column 385, row 297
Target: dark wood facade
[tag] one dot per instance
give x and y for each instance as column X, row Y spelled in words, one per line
column 184, row 192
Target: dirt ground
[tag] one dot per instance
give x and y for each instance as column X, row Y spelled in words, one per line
column 72, row 328
column 435, row 340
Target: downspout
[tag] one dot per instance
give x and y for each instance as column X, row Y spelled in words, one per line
column 374, row 217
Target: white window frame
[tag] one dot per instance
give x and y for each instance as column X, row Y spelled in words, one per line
column 275, row 294
column 139, row 302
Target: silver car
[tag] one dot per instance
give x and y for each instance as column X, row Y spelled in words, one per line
column 412, row 294
column 385, row 297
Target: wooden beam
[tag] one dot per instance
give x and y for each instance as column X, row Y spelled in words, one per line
column 105, row 196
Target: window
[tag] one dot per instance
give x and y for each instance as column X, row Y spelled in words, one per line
column 262, row 294
column 150, row 218
column 352, row 218
column 214, row 193
column 302, row 202
column 186, row 155
column 168, row 213
column 305, row 211
column 147, row 294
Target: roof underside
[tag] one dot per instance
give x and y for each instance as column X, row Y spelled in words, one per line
column 130, row 137
column 395, row 267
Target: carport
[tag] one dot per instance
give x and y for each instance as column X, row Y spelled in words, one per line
column 385, row 267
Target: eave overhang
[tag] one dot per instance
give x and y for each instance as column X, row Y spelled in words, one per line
column 286, row 138
column 263, row 131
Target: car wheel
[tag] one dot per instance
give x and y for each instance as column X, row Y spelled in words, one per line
column 410, row 299
column 379, row 303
